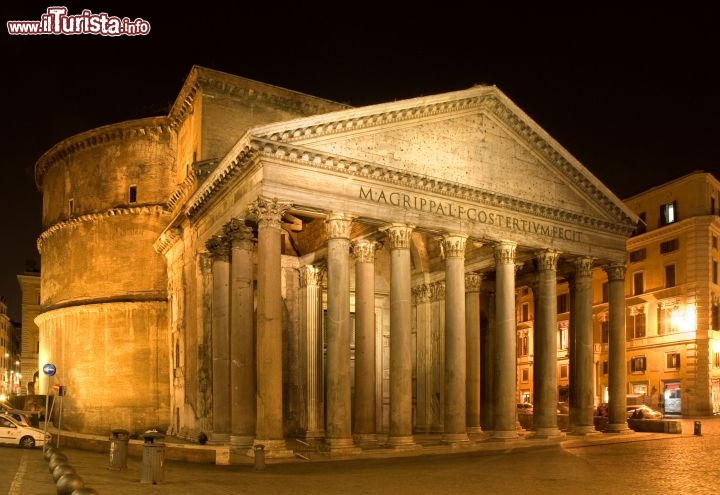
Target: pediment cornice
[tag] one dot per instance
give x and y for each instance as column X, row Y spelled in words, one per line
column 487, row 98
column 250, row 148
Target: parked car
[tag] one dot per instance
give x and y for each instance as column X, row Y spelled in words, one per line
column 14, row 432
column 17, row 414
column 643, row 412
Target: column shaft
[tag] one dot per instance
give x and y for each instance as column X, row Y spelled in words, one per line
column 311, row 321
column 617, row 377
column 269, row 346
column 504, row 344
column 218, row 247
column 400, row 435
column 338, row 427
column 583, row 422
column 365, row 422
column 472, row 327
column 455, row 424
column 545, row 347
column 242, row 335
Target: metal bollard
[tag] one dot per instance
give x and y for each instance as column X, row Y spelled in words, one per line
column 118, row 449
column 698, row 428
column 259, row 457
column 153, row 458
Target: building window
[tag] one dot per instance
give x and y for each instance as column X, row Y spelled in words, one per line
column 637, row 364
column 669, row 246
column 715, row 317
column 716, row 360
column 605, row 368
column 132, row 194
column 525, row 375
column 562, row 303
column 670, row 276
column 605, row 331
column 563, row 337
column 672, row 360
column 668, row 213
column 522, row 347
column 715, row 271
column 714, row 242
column 71, row 207
column 605, row 292
column 525, row 309
column 666, row 323
column 638, row 283
column 638, row 255
column 636, row 324
column 563, row 371
column 712, row 205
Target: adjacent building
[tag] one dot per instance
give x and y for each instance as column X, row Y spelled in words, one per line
column 261, row 263
column 30, row 337
column 10, row 373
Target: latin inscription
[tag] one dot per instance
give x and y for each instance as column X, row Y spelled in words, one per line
column 470, row 214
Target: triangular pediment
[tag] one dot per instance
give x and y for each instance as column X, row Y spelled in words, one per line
column 476, row 141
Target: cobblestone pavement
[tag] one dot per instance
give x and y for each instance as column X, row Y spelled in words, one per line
column 611, row 464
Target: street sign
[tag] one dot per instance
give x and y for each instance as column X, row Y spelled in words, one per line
column 49, row 369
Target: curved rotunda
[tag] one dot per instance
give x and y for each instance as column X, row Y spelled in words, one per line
column 262, row 263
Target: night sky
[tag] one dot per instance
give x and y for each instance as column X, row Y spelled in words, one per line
column 633, row 95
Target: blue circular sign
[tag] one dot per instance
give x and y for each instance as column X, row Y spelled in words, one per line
column 49, row 369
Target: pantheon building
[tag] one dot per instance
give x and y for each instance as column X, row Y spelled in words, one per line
column 261, row 264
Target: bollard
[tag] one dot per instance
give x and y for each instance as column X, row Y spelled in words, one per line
column 698, row 428
column 61, row 470
column 259, row 457
column 68, row 483
column 118, row 449
column 153, row 457
column 55, row 459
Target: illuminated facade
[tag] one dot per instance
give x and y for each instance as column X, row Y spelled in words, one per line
column 262, row 264
column 673, row 305
column 10, row 375
column 30, row 338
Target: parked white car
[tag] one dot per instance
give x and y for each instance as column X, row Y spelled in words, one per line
column 13, row 432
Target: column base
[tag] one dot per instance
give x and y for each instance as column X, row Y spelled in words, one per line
column 405, row 442
column 617, row 428
column 504, row 435
column 547, row 433
column 474, row 429
column 365, row 438
column 584, row 431
column 455, row 438
column 219, row 438
column 315, row 434
column 274, row 449
column 339, row 447
column 241, row 441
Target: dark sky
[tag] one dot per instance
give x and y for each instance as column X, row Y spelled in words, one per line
column 632, row 94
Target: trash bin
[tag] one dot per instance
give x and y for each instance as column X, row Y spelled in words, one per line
column 153, row 457
column 698, row 428
column 259, row 457
column 119, row 449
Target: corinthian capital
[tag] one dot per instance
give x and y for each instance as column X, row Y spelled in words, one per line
column 505, row 253
column 453, row 245
column 364, row 250
column 615, row 271
column 268, row 212
column 547, row 259
column 338, row 226
column 398, row 234
column 218, row 247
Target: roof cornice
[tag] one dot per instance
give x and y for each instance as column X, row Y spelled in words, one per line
column 100, row 136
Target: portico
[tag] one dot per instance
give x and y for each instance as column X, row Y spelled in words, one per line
column 357, row 253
